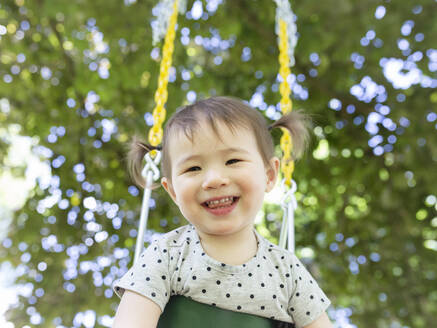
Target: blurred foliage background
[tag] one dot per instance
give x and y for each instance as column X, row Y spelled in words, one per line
column 78, row 78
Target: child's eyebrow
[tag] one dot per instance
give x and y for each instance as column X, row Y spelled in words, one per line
column 223, row 151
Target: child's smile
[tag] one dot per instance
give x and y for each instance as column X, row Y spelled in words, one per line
column 221, row 205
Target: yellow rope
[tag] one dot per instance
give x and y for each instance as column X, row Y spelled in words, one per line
column 287, row 165
column 161, row 94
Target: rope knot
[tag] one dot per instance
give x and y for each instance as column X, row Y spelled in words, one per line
column 152, row 168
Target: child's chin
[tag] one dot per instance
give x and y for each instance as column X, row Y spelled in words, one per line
column 223, row 229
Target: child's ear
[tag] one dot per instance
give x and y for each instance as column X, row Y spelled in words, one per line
column 166, row 183
column 272, row 173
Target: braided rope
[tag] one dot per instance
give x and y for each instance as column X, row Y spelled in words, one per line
column 287, row 165
column 161, row 94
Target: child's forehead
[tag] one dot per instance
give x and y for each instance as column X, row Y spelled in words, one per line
column 204, row 129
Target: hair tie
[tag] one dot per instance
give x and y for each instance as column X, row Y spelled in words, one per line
column 270, row 128
column 158, row 147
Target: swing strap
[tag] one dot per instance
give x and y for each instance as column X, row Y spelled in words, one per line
column 156, row 132
column 286, row 29
column 289, row 205
column 150, row 173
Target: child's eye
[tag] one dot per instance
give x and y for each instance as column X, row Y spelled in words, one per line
column 231, row 161
column 194, row 168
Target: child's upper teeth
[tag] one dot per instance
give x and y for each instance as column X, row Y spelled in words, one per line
column 223, row 200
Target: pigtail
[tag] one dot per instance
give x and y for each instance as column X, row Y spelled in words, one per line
column 298, row 124
column 137, row 150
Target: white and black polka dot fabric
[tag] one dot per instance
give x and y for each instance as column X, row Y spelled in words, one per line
column 273, row 284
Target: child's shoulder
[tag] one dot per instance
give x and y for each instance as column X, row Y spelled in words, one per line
column 276, row 252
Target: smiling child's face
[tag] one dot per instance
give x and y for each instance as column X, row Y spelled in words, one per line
column 208, row 168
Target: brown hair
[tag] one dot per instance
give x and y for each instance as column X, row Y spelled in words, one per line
column 234, row 113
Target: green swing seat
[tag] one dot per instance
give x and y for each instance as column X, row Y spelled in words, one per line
column 182, row 312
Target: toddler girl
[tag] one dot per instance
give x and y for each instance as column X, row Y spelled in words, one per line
column 217, row 163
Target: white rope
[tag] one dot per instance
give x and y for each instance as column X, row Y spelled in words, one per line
column 289, row 205
column 150, row 173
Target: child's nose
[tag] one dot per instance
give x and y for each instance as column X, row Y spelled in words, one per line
column 214, row 179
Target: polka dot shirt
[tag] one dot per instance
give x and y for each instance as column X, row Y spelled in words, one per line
column 273, row 284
